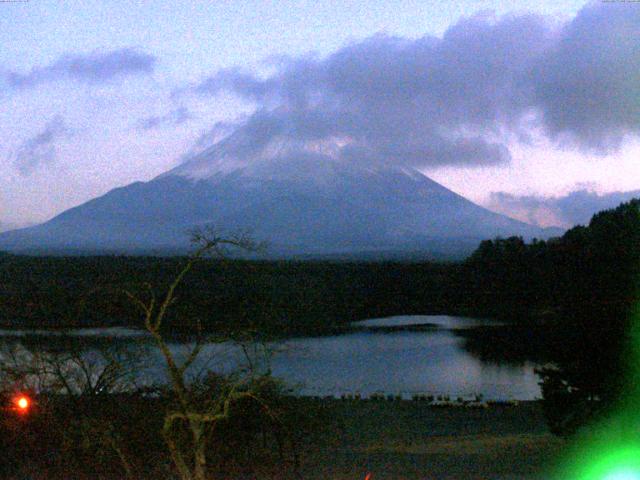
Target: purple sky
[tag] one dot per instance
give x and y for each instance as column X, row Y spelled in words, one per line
column 510, row 105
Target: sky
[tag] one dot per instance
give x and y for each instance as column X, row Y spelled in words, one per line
column 524, row 107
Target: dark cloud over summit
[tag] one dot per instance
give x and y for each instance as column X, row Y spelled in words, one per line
column 459, row 99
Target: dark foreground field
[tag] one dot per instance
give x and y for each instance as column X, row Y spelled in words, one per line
column 335, row 439
column 410, row 440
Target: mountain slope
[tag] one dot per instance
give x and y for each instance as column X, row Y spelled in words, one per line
column 309, row 203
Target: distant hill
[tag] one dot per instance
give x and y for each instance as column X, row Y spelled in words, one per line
column 5, row 227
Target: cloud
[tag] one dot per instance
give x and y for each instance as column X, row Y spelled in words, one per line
column 94, row 67
column 587, row 85
column 219, row 131
column 236, row 80
column 40, row 149
column 455, row 100
column 575, row 208
column 174, row 117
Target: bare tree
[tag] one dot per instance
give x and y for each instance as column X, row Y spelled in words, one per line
column 75, row 371
column 82, row 376
column 78, row 375
column 192, row 414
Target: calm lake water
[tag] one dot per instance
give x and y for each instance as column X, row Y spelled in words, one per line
column 376, row 357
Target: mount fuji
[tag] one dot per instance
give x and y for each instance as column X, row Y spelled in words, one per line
column 300, row 199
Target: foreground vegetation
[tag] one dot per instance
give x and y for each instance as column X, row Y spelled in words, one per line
column 335, row 439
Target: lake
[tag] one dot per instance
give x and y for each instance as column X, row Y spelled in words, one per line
column 402, row 355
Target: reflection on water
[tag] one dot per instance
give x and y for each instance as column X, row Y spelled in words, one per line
column 432, row 361
column 442, row 321
column 111, row 332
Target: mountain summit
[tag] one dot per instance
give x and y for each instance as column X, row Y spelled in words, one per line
column 303, row 200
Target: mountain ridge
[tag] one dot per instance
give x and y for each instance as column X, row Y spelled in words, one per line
column 307, row 203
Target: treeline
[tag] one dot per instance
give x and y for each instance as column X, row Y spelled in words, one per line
column 591, row 271
column 585, row 281
column 283, row 297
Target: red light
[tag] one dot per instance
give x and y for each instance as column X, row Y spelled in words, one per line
column 22, row 403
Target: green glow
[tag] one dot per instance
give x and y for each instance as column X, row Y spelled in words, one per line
column 614, row 464
column 623, row 465
column 610, row 449
column 623, row 475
